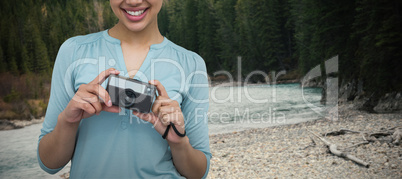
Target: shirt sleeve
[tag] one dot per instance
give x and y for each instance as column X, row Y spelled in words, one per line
column 195, row 108
column 61, row 92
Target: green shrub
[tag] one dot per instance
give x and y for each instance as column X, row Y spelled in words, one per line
column 12, row 96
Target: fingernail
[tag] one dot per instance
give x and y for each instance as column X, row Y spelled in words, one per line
column 109, row 103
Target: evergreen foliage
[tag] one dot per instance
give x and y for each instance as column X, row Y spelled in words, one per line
column 269, row 35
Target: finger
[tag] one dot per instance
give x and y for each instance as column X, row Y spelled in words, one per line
column 103, row 75
column 98, row 90
column 92, row 98
column 78, row 98
column 164, row 110
column 87, row 92
column 94, row 101
column 88, row 108
column 165, row 119
column 169, row 102
column 85, row 97
column 159, row 87
column 158, row 103
column 112, row 109
column 175, row 118
column 168, row 109
column 98, row 107
column 155, row 107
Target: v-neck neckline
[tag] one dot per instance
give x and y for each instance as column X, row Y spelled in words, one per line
column 145, row 64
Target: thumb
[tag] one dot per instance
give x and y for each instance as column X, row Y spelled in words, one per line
column 159, row 87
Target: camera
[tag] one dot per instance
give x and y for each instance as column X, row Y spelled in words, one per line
column 131, row 93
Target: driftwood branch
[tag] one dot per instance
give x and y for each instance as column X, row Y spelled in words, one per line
column 392, row 128
column 340, row 132
column 333, row 148
column 361, row 143
column 394, row 132
column 312, row 144
column 379, row 134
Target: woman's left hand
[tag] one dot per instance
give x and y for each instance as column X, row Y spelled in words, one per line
column 165, row 111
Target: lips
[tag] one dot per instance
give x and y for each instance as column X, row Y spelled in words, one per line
column 135, row 14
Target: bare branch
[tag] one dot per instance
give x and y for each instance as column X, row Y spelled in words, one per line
column 333, row 148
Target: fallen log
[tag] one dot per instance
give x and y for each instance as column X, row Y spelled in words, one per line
column 333, row 148
column 340, row 132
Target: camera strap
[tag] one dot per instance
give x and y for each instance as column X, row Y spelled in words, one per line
column 175, row 130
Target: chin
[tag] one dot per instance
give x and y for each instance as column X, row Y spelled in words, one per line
column 135, row 27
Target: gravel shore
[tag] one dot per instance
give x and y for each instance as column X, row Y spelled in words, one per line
column 288, row 151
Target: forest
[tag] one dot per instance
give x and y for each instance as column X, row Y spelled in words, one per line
column 269, row 35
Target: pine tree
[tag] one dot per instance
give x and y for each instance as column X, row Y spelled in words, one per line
column 2, row 62
column 41, row 59
column 25, row 61
column 303, row 14
column 227, row 39
column 190, row 24
column 12, row 66
column 177, row 28
column 207, row 34
column 109, row 18
column 11, row 52
column 260, row 33
column 377, row 28
column 163, row 21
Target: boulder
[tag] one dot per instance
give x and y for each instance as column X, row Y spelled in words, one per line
column 389, row 103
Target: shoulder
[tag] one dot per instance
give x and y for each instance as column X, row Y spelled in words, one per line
column 83, row 39
column 187, row 57
column 74, row 49
column 78, row 46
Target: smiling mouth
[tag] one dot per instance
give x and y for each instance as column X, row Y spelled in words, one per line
column 136, row 13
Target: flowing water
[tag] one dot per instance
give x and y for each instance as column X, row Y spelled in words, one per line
column 18, row 154
column 258, row 106
column 231, row 109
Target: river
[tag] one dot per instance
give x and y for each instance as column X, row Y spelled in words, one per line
column 18, row 154
column 231, row 109
column 259, row 106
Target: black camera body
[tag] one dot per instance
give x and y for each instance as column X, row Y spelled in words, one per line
column 130, row 93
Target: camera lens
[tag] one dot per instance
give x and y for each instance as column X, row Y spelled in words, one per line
column 127, row 97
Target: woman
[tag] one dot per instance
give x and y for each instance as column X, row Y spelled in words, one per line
column 104, row 141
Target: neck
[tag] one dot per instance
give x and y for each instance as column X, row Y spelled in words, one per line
column 144, row 38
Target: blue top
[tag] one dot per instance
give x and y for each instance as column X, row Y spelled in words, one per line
column 120, row 145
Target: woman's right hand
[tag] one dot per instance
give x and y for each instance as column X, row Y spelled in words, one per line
column 86, row 102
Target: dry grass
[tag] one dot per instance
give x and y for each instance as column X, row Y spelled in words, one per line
column 23, row 97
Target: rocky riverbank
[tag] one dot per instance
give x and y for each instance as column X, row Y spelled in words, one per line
column 291, row 151
column 288, row 151
column 17, row 124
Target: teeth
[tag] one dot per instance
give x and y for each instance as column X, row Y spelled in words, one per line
column 135, row 13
